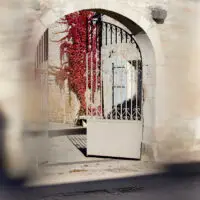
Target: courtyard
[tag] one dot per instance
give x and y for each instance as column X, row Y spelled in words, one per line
column 68, row 163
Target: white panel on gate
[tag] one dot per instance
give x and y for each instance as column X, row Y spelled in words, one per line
column 114, row 138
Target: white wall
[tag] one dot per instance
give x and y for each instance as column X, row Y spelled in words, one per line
column 176, row 53
column 149, row 83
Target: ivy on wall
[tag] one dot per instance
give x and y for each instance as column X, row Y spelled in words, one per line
column 74, row 46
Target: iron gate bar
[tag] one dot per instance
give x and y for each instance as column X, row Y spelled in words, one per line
column 96, row 35
column 129, row 34
column 91, row 80
column 91, row 26
column 47, row 47
column 92, row 64
column 111, row 34
column 113, row 82
column 36, row 62
column 126, row 85
column 106, row 33
column 116, row 34
column 39, row 51
column 137, row 91
column 86, row 57
column 103, row 26
column 87, row 42
column 121, row 96
column 96, row 53
column 45, row 44
column 42, row 50
column 121, row 35
column 86, row 76
column 101, row 74
column 131, row 93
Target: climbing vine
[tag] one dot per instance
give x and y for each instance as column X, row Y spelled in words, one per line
column 74, row 47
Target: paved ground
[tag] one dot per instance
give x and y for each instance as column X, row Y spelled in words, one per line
column 67, row 161
column 68, row 164
column 148, row 187
column 67, row 149
column 67, row 178
column 73, row 173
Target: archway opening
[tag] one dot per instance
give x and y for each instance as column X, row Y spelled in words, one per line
column 73, row 51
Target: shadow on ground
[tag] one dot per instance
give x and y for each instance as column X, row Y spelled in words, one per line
column 178, row 182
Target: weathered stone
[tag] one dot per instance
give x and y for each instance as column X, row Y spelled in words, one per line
column 158, row 14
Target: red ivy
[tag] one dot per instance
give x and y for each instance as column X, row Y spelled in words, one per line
column 73, row 46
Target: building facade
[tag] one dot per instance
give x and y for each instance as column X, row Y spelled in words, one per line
column 169, row 58
column 168, row 38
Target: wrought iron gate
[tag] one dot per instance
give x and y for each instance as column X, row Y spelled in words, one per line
column 125, row 76
column 113, row 91
column 41, row 70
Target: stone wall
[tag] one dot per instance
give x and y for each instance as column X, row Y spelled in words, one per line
column 177, row 96
column 176, row 51
column 63, row 105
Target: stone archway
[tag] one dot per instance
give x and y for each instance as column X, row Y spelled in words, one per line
column 150, row 35
column 38, row 20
